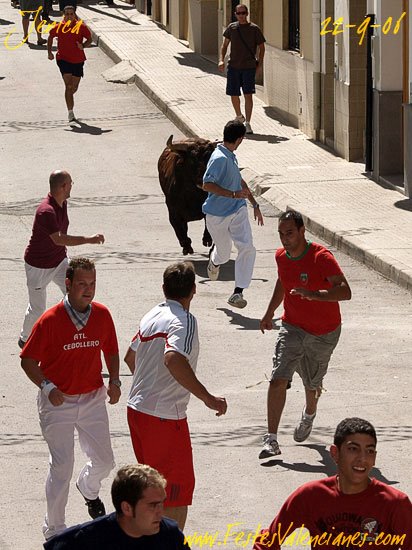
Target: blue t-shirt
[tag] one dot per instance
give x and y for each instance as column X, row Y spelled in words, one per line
column 223, row 170
column 105, row 534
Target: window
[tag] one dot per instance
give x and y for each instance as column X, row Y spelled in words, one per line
column 294, row 25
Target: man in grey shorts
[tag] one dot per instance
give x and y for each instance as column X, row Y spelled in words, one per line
column 310, row 284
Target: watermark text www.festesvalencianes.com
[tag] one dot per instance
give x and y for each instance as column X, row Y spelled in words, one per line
column 293, row 536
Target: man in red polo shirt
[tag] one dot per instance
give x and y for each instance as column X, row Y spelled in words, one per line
column 72, row 37
column 63, row 358
column 46, row 256
column 310, row 284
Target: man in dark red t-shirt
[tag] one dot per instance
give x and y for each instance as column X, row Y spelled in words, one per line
column 63, row 358
column 310, row 284
column 46, row 256
column 72, row 37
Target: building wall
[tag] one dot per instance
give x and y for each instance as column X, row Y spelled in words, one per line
column 289, row 76
column 387, row 104
column 350, row 83
column 203, row 26
column 289, row 87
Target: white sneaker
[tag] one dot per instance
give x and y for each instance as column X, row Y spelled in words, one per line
column 213, row 271
column 237, row 300
column 240, row 118
column 303, row 429
column 248, row 128
column 270, row 447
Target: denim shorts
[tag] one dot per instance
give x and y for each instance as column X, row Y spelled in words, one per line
column 240, row 78
column 307, row 354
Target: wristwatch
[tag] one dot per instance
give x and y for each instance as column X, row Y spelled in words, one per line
column 116, row 382
column 44, row 383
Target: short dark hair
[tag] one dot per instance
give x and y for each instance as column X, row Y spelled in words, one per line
column 351, row 426
column 242, row 6
column 292, row 215
column 178, row 280
column 233, row 130
column 69, row 8
column 57, row 179
column 79, row 263
column 130, row 483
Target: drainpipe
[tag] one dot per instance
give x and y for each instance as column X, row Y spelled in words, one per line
column 369, row 98
column 316, row 66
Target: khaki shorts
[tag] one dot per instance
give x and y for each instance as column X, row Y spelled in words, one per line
column 307, row 354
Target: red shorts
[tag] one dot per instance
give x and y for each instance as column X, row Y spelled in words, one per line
column 165, row 445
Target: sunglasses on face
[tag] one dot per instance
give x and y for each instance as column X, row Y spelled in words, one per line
column 241, row 13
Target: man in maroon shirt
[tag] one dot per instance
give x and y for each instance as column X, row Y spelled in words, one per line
column 72, row 37
column 310, row 284
column 46, row 256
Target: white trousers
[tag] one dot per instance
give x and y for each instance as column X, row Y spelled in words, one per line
column 234, row 228
column 87, row 413
column 37, row 281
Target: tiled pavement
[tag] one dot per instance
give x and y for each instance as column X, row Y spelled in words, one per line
column 341, row 205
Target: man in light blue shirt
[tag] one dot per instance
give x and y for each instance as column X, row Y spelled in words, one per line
column 226, row 212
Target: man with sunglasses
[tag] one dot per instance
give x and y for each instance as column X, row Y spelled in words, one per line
column 247, row 49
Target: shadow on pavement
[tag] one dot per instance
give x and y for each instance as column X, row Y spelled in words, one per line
column 405, row 204
column 87, row 129
column 326, row 465
column 193, row 59
column 5, row 22
column 244, row 323
column 109, row 14
column 226, row 273
column 266, row 137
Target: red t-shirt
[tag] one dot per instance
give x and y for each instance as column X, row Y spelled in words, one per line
column 68, row 357
column 323, row 509
column 67, row 40
column 309, row 271
column 50, row 218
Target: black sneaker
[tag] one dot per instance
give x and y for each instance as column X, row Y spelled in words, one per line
column 95, row 507
column 21, row 343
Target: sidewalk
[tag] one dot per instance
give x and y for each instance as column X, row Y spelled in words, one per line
column 340, row 205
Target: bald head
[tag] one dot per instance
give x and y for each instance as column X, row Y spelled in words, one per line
column 57, row 179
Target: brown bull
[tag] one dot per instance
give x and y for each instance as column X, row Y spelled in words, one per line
column 181, row 167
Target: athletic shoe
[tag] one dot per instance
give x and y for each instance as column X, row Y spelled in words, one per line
column 303, row 429
column 237, row 300
column 21, row 343
column 213, row 271
column 248, row 128
column 41, row 41
column 240, row 118
column 270, row 447
column 95, row 507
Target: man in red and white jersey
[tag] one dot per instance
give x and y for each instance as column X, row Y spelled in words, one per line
column 310, row 284
column 63, row 358
column 162, row 357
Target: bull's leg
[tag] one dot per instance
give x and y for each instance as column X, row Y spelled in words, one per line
column 180, row 227
column 207, row 239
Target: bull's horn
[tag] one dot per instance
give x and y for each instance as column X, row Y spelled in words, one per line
column 180, row 146
column 169, row 141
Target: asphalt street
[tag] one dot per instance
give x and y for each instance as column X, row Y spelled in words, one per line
column 112, row 160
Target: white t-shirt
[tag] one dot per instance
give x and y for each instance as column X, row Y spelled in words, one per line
column 167, row 327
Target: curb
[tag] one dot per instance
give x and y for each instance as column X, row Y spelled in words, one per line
column 179, row 119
